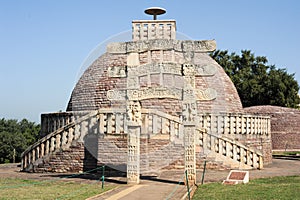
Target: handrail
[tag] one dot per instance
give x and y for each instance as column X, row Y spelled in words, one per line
column 114, row 122
column 107, row 124
column 231, row 149
column 85, row 117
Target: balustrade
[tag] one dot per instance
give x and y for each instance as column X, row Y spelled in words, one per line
column 158, row 29
column 106, row 121
column 230, row 148
column 229, row 124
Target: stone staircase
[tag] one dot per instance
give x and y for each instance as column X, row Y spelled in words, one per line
column 225, row 138
column 216, row 135
column 229, row 152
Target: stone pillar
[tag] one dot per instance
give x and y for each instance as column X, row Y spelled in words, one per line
column 189, row 113
column 189, row 129
column 189, row 152
column 133, row 146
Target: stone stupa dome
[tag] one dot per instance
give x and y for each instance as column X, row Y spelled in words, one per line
column 154, row 66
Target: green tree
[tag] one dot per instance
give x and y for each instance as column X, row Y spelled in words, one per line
column 11, row 146
column 257, row 82
column 15, row 137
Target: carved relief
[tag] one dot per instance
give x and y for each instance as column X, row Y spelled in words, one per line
column 187, row 46
column 160, row 92
column 134, row 111
column 189, row 75
column 188, row 56
column 133, row 82
column 133, row 154
column 188, row 69
column 204, row 45
column 154, row 92
column 116, row 94
column 206, row 95
column 189, row 81
column 117, row 47
column 189, row 152
column 162, row 44
column 189, row 111
column 206, row 70
column 117, row 71
column 153, row 68
column 189, row 93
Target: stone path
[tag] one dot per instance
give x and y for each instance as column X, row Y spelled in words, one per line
column 165, row 185
column 158, row 190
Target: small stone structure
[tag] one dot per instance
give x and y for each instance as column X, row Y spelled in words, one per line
column 149, row 104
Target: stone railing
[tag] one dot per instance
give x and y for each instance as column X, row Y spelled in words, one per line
column 153, row 29
column 157, row 122
column 230, row 149
column 104, row 121
column 50, row 122
column 112, row 122
column 61, row 138
column 234, row 124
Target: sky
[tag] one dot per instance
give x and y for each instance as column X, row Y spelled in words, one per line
column 44, row 44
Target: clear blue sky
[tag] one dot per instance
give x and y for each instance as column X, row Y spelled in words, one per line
column 44, row 43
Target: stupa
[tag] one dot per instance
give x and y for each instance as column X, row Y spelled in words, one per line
column 151, row 104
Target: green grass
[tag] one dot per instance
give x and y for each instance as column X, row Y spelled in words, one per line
column 282, row 188
column 286, row 153
column 42, row 190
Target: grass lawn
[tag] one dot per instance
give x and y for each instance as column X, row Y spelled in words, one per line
column 266, row 188
column 286, row 153
column 35, row 189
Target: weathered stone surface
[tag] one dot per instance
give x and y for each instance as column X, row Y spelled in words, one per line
column 154, row 68
column 162, row 44
column 133, row 59
column 116, row 95
column 206, row 95
column 205, row 70
column 159, row 93
column 153, row 29
column 285, row 127
column 117, row 71
column 154, row 92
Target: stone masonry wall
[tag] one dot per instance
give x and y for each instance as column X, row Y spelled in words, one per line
column 285, row 126
column 71, row 160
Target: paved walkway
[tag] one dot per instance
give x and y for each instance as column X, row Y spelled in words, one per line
column 163, row 189
column 165, row 185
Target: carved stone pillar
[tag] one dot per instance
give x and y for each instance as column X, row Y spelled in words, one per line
column 189, row 113
column 133, row 141
column 133, row 154
column 189, row 152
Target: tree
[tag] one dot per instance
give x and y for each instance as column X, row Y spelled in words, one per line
column 15, row 137
column 258, row 83
column 11, row 146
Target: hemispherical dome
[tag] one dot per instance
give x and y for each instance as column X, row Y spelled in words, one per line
column 158, row 75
